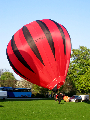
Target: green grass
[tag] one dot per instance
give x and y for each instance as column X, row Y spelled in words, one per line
column 43, row 110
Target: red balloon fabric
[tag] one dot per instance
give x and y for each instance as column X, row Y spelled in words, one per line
column 40, row 53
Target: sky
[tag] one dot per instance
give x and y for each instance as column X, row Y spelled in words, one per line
column 74, row 15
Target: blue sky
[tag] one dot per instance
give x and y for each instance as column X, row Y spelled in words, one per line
column 74, row 15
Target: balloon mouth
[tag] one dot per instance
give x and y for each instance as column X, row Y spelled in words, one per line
column 55, row 89
column 56, row 83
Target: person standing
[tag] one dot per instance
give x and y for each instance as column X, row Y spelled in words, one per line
column 59, row 97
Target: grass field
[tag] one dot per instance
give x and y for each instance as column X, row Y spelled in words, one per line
column 43, row 110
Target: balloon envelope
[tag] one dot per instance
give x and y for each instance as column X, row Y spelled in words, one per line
column 40, row 53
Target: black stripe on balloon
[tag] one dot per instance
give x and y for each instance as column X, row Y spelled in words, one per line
column 69, row 36
column 47, row 34
column 62, row 34
column 13, row 65
column 31, row 43
column 18, row 55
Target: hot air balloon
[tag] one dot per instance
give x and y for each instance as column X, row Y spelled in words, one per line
column 40, row 53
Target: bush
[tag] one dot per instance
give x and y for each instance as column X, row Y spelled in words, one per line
column 40, row 95
column 33, row 96
column 70, row 94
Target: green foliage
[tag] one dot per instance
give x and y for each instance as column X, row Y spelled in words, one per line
column 68, row 88
column 39, row 89
column 79, row 69
column 35, row 88
column 43, row 110
column 7, row 76
column 7, row 79
column 43, row 90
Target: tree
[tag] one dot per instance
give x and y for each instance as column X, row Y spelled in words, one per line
column 39, row 89
column 2, row 71
column 35, row 88
column 79, row 69
column 8, row 79
column 23, row 84
column 0, row 81
column 68, row 87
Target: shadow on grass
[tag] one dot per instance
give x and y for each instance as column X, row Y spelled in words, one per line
column 1, row 106
column 33, row 99
column 25, row 99
column 88, row 102
column 2, row 100
column 61, row 103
